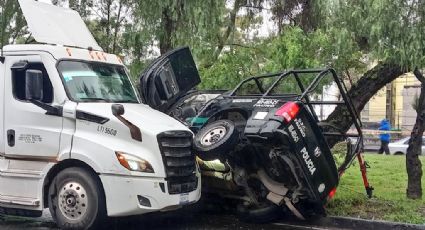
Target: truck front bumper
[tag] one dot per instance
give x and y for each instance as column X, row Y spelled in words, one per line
column 127, row 196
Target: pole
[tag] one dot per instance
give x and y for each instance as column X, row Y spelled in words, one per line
column 398, row 120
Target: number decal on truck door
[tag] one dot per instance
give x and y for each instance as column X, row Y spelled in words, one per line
column 300, row 126
column 293, row 133
column 109, row 131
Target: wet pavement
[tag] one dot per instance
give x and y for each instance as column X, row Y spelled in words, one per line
column 155, row 221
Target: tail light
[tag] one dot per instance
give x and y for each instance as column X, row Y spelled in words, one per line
column 331, row 193
column 288, row 111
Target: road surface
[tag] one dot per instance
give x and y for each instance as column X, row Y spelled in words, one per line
column 156, row 221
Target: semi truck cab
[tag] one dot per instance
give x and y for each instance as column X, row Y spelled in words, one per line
column 74, row 135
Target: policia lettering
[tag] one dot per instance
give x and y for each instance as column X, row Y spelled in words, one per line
column 308, row 161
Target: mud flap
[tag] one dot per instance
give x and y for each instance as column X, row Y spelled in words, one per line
column 279, row 200
column 277, row 193
column 293, row 209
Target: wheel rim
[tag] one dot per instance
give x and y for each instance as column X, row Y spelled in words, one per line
column 213, row 135
column 73, row 201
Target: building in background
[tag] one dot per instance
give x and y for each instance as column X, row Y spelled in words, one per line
column 394, row 102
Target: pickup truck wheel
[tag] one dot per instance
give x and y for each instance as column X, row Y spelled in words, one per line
column 216, row 139
column 76, row 199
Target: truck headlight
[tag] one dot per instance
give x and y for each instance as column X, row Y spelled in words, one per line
column 133, row 163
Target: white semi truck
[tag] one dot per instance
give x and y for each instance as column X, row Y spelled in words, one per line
column 74, row 135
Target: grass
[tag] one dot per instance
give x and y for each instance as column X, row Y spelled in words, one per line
column 389, row 178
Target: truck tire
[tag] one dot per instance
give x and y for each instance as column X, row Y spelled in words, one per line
column 76, row 199
column 215, row 139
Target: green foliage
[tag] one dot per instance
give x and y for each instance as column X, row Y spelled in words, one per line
column 390, row 31
column 84, row 7
column 339, row 152
column 12, row 23
column 338, row 33
column 225, row 54
column 231, row 67
column 170, row 24
column 195, row 23
column 294, row 49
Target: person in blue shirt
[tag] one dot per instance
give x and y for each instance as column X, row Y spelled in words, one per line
column 384, row 137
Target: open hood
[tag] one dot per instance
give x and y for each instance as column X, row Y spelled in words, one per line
column 56, row 25
column 169, row 78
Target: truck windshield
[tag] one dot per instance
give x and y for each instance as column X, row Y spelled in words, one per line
column 94, row 81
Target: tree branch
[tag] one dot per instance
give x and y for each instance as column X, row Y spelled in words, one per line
column 108, row 16
column 229, row 29
column 256, row 7
column 240, row 45
column 419, row 75
column 117, row 26
column 361, row 92
column 347, row 72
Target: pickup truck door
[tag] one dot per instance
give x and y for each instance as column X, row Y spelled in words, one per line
column 168, row 78
column 30, row 134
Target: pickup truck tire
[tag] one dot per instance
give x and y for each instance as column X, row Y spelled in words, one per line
column 76, row 199
column 215, row 139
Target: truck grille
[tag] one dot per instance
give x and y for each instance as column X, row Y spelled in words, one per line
column 179, row 161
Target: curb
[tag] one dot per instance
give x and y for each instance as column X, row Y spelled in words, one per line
column 357, row 223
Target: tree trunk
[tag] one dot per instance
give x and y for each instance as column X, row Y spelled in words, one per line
column 307, row 20
column 361, row 92
column 117, row 27
column 165, row 40
column 222, row 40
column 108, row 26
column 413, row 163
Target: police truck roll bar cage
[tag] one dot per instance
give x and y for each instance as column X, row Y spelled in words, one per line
column 307, row 90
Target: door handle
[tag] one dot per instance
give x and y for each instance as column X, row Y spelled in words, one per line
column 11, row 137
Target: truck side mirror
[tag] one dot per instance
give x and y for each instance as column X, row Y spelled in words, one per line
column 117, row 109
column 33, row 84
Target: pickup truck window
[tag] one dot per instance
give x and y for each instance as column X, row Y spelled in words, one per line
column 286, row 85
column 96, row 82
column 249, row 88
column 255, row 87
column 258, row 86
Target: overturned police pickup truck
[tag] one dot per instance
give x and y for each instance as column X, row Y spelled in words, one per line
column 263, row 144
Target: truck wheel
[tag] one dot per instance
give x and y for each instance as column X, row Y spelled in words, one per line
column 216, row 139
column 76, row 199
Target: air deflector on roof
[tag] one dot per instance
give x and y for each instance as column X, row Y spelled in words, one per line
column 56, row 25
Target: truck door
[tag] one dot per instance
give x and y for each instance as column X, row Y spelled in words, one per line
column 29, row 133
column 168, row 78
